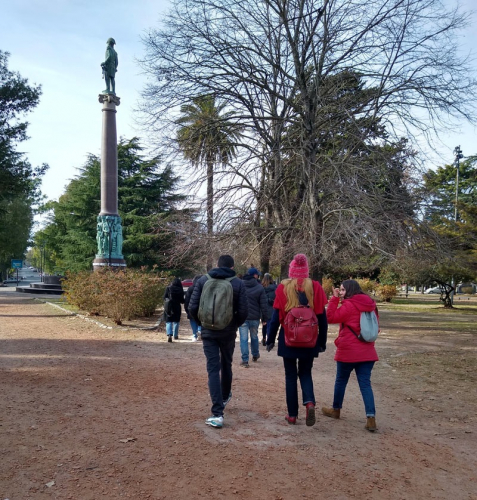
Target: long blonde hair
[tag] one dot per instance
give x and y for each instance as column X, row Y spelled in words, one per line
column 292, row 286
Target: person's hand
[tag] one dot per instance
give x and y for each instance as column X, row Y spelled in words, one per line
column 264, row 323
column 336, row 292
column 270, row 347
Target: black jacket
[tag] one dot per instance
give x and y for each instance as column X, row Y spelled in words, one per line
column 240, row 302
column 188, row 295
column 257, row 299
column 270, row 293
column 176, row 294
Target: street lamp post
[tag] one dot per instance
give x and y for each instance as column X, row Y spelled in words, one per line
column 458, row 156
column 42, row 261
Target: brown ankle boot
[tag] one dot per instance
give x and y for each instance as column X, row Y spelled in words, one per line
column 371, row 424
column 330, row 412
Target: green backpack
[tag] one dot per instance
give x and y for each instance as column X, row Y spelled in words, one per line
column 216, row 306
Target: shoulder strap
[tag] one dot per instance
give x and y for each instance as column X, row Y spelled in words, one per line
column 357, row 336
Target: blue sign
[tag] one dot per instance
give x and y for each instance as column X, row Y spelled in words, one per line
column 17, row 263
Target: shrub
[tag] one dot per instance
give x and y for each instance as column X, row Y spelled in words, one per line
column 367, row 285
column 386, row 292
column 118, row 294
column 327, row 284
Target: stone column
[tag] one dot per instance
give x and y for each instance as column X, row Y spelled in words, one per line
column 109, row 235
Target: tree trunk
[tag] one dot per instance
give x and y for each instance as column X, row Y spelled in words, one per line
column 210, row 212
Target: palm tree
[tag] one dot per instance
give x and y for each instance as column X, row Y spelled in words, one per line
column 207, row 137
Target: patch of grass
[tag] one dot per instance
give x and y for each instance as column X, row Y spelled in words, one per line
column 453, row 366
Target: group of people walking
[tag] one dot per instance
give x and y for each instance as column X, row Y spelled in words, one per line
column 252, row 302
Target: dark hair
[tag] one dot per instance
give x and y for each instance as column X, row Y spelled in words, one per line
column 177, row 282
column 267, row 280
column 352, row 288
column 226, row 261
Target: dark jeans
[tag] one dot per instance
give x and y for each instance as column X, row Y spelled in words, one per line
column 219, row 353
column 363, row 374
column 298, row 368
column 264, row 331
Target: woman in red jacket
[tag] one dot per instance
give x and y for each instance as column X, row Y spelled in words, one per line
column 299, row 289
column 352, row 353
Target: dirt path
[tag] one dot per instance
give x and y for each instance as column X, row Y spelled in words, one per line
column 89, row 413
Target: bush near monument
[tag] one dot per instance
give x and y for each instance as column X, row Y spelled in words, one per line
column 119, row 295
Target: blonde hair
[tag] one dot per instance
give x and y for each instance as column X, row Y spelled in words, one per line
column 292, row 286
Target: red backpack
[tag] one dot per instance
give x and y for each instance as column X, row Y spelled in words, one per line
column 301, row 327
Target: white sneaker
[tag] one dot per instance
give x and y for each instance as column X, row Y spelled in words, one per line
column 193, row 339
column 215, row 421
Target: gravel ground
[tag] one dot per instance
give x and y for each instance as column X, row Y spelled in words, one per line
column 93, row 412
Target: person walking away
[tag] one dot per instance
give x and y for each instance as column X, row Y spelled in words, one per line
column 270, row 288
column 257, row 309
column 345, row 308
column 175, row 293
column 193, row 323
column 219, row 344
column 298, row 290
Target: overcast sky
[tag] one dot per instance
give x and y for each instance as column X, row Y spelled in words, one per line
column 60, row 45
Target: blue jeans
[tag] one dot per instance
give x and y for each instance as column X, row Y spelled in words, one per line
column 252, row 326
column 293, row 371
column 172, row 328
column 219, row 354
column 195, row 328
column 363, row 374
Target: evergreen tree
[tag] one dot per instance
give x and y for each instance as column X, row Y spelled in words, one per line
column 19, row 181
column 145, row 192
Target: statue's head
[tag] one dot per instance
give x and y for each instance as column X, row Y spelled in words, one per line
column 111, row 41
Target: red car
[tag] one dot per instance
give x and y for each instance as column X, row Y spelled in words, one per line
column 187, row 283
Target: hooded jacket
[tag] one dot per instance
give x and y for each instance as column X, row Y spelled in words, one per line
column 348, row 348
column 176, row 294
column 257, row 299
column 240, row 303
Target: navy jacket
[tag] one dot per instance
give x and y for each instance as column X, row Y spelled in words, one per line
column 240, row 303
column 257, row 299
column 270, row 293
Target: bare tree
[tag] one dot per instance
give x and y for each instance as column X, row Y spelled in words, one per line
column 324, row 91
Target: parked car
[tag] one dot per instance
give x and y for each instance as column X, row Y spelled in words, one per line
column 436, row 289
column 187, row 283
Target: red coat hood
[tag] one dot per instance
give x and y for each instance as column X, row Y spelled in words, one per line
column 363, row 302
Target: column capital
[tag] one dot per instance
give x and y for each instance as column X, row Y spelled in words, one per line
column 109, row 98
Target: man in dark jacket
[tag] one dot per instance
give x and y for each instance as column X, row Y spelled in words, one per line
column 219, row 345
column 257, row 309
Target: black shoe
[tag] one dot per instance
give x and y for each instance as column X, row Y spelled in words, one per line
column 255, row 358
column 169, row 338
column 264, row 342
column 244, row 364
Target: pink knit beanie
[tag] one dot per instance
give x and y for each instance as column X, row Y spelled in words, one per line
column 298, row 267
